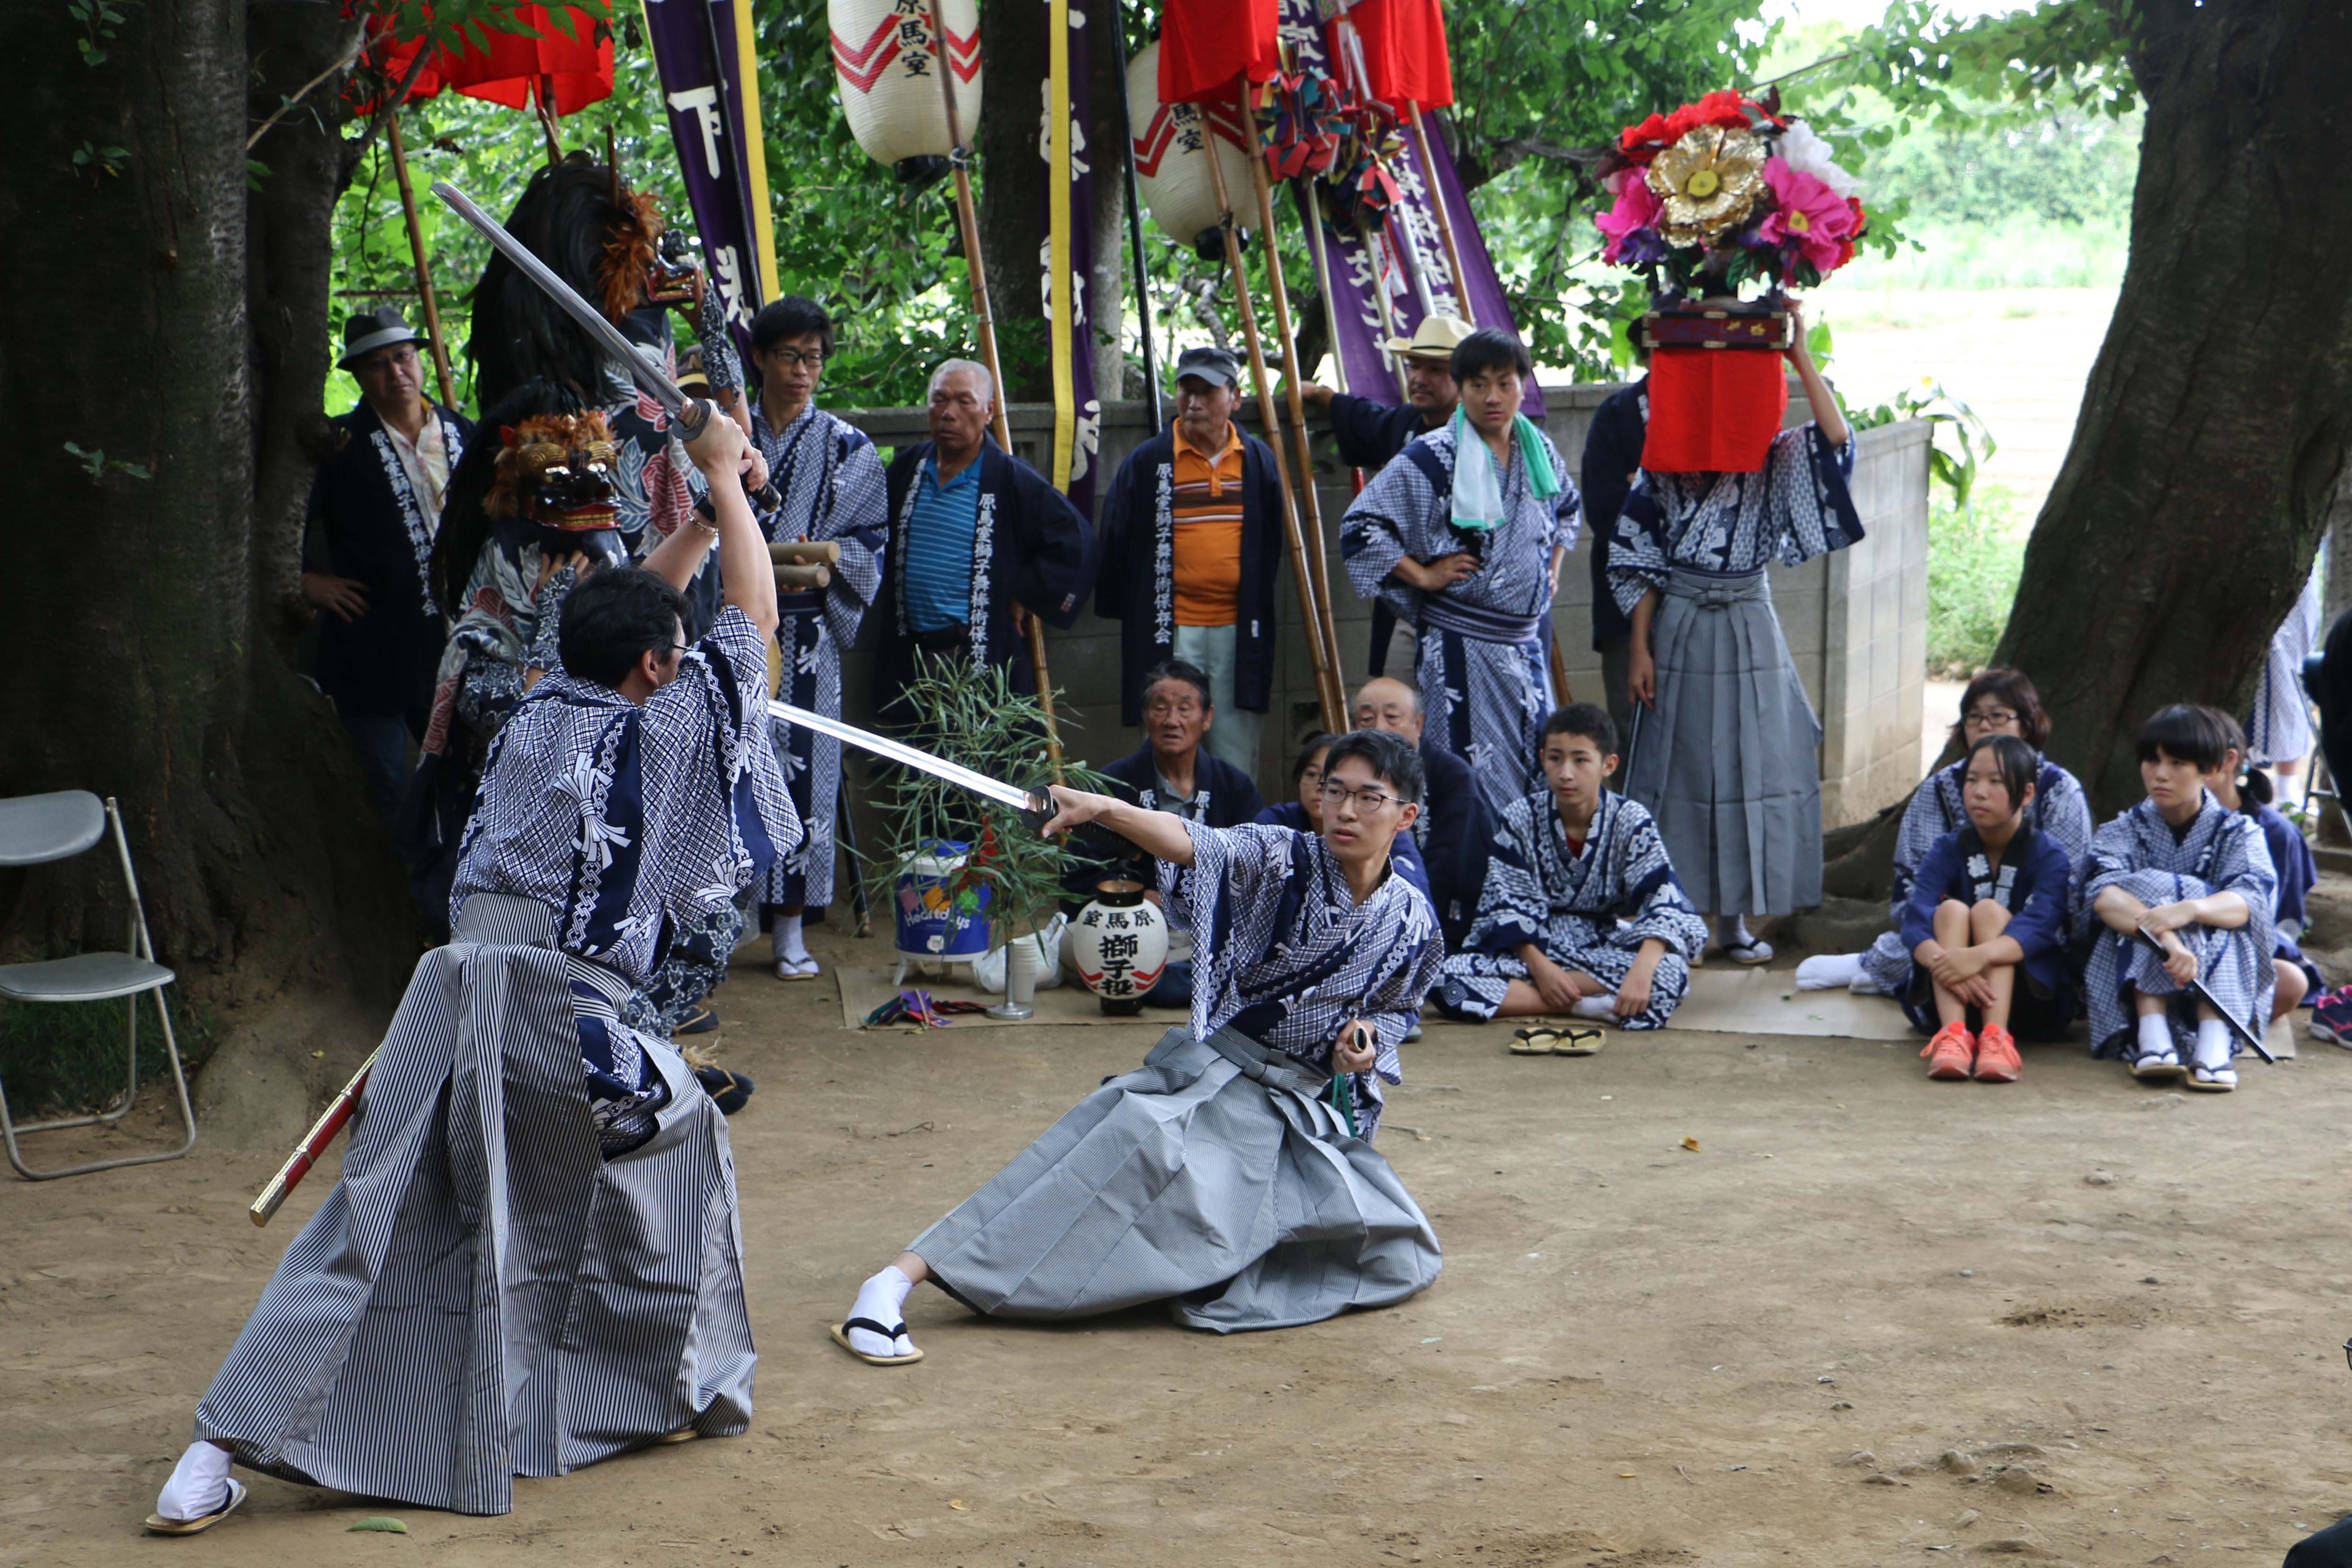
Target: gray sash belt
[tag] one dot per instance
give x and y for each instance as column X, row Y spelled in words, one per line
column 1441, row 613
column 1275, row 1069
column 507, row 920
column 1716, row 590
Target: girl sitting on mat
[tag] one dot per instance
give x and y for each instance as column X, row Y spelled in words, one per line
column 1581, row 913
column 1232, row 1174
column 1999, row 701
column 2195, row 877
column 1986, row 925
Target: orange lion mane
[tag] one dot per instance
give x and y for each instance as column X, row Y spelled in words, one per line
column 538, row 443
column 629, row 253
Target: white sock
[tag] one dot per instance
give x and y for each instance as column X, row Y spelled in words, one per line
column 786, row 940
column 1601, row 1009
column 1731, row 931
column 2155, row 1034
column 883, row 1298
column 2212, row 1048
column 199, row 1483
column 1862, row 985
column 1828, row 971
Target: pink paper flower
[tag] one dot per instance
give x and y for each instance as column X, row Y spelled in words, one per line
column 1807, row 215
column 1637, row 209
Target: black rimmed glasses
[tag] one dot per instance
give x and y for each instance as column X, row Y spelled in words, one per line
column 811, row 358
column 1368, row 799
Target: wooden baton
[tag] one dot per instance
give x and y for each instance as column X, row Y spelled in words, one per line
column 805, row 552
column 306, row 1154
column 793, row 578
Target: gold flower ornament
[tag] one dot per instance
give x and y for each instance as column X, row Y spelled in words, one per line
column 1709, row 183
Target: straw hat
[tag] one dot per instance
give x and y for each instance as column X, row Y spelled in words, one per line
column 1434, row 338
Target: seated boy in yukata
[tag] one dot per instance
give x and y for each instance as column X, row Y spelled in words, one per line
column 2184, row 889
column 1581, row 913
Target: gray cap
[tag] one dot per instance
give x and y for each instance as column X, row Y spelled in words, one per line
column 1216, row 366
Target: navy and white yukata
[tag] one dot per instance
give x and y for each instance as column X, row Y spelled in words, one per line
column 1403, row 853
column 1486, row 688
column 1589, row 909
column 2035, row 881
column 2061, row 812
column 1220, row 1177
column 831, row 479
column 533, row 1261
column 2221, row 851
column 1370, row 434
column 1728, row 758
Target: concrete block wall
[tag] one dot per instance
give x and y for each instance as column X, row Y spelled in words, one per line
column 1856, row 621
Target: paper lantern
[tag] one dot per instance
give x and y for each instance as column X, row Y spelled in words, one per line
column 886, row 65
column 1119, row 945
column 1171, row 161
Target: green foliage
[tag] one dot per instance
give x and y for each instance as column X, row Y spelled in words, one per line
column 2018, row 66
column 976, row 718
column 1976, row 553
column 1962, row 441
column 97, row 465
column 69, row 1058
column 99, row 22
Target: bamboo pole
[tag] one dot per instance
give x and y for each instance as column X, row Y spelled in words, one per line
column 547, row 118
column 968, row 224
column 424, row 272
column 1311, row 517
column 1326, row 685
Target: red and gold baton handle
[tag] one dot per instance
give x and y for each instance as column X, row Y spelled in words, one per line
column 306, row 1154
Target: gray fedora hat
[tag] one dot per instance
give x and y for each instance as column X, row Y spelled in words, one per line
column 377, row 328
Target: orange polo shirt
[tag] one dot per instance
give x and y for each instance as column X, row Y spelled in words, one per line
column 1207, row 547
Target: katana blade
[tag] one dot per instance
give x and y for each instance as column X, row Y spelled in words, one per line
column 605, row 336
column 955, row 773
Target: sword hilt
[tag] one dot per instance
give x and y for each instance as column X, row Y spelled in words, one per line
column 692, row 416
column 1093, row 835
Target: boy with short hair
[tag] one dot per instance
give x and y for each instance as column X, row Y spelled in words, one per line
column 2198, row 878
column 1232, row 1174
column 1569, row 864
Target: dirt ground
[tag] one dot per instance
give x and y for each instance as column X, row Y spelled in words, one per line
column 1858, row 1319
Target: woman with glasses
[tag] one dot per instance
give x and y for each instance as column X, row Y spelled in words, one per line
column 831, row 481
column 1999, row 701
column 1232, row 1174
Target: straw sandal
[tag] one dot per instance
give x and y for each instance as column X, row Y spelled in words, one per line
column 841, row 1337
column 157, row 1524
column 1580, row 1039
column 1536, row 1039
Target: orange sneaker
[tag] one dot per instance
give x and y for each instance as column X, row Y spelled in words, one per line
column 1997, row 1057
column 1951, row 1053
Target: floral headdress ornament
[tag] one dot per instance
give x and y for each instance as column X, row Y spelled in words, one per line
column 1727, row 190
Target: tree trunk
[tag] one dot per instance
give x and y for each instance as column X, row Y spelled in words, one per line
column 1106, row 151
column 1012, row 40
column 144, row 670
column 2215, row 423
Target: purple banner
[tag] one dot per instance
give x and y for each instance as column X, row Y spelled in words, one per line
column 1084, row 410
column 695, row 50
column 1384, row 281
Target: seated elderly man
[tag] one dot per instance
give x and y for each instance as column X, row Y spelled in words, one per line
column 1455, row 829
column 1173, row 772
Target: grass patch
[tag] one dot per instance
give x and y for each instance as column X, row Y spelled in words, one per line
column 1975, row 556
column 69, row 1058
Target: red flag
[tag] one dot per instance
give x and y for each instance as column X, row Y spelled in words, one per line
column 1206, row 45
column 1404, row 51
column 507, row 72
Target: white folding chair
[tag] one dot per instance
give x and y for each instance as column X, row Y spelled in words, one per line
column 34, row 831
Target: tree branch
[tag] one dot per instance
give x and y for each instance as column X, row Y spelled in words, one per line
column 357, row 145
column 304, row 91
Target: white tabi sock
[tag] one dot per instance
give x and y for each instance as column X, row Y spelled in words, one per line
column 2154, row 1035
column 882, row 1299
column 1731, row 931
column 199, row 1483
column 1600, row 1010
column 786, row 940
column 1828, row 971
column 2212, row 1049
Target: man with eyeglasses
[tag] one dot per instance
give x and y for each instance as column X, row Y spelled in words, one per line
column 1231, row 1176
column 831, row 481
column 1175, row 772
column 979, row 543
column 1192, row 547
column 538, row 1204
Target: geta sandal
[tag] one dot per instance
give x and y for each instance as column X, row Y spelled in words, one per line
column 841, row 1337
column 157, row 1524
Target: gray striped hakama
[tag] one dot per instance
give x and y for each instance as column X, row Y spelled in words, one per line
column 1728, row 759
column 1216, row 1177
column 483, row 1295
